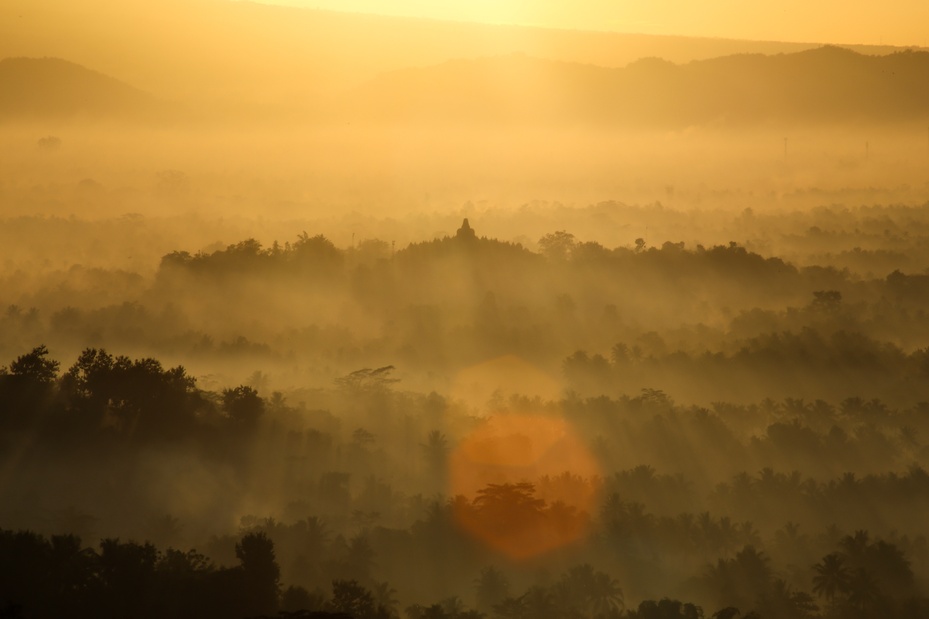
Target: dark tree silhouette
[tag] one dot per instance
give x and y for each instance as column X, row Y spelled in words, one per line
column 243, row 406
column 367, row 380
column 557, row 245
column 832, row 577
column 262, row 575
column 127, row 570
column 26, row 388
column 435, row 453
column 492, row 587
column 34, row 367
column 666, row 609
column 352, row 599
column 135, row 398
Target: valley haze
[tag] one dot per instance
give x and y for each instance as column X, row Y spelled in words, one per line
column 309, row 313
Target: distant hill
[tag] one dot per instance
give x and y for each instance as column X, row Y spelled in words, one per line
column 51, row 87
column 823, row 85
column 241, row 55
column 819, row 85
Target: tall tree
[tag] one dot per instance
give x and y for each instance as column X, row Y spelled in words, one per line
column 832, row 577
column 261, row 574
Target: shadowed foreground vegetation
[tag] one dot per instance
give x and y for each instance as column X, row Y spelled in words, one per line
column 361, row 431
column 350, row 529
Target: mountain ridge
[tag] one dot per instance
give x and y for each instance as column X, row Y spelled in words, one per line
column 51, row 87
column 829, row 83
column 257, row 53
column 821, row 85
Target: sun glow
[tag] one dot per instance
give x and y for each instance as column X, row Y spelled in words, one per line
column 531, row 482
column 897, row 22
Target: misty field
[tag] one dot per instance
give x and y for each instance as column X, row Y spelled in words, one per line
column 316, row 314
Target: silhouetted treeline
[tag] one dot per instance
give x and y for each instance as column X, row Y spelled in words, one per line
column 746, row 416
column 354, row 508
column 718, row 323
column 306, row 255
column 105, row 396
column 59, row 576
column 723, row 322
column 808, row 363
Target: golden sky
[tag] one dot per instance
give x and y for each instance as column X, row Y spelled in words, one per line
column 891, row 22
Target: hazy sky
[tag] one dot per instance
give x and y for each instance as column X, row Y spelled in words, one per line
column 893, row 22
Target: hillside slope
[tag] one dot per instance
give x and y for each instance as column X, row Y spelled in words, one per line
column 51, row 87
column 827, row 84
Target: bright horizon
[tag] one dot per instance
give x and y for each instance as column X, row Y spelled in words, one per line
column 895, row 22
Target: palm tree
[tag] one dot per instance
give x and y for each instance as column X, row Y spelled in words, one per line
column 613, row 513
column 595, row 592
column 781, row 601
column 435, row 453
column 352, row 599
column 831, row 577
column 385, row 597
column 863, row 591
column 726, row 535
column 435, row 450
column 453, row 606
column 753, row 567
column 605, row 595
column 315, row 536
column 749, row 534
column 492, row 588
column 360, row 559
column 538, row 601
column 855, row 546
column 510, row 608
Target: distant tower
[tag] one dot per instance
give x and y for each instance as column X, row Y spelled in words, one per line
column 465, row 232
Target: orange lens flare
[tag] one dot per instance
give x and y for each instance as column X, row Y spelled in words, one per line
column 529, row 484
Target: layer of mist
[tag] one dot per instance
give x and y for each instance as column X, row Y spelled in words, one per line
column 321, row 315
